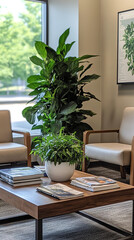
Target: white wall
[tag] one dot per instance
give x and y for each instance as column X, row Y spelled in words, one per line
column 83, row 18
column 63, row 14
column 89, row 43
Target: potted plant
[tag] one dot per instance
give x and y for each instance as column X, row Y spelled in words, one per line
column 58, row 90
column 60, row 152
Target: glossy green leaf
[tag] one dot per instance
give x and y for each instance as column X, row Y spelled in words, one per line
column 89, row 66
column 37, row 127
column 91, row 96
column 37, row 61
column 41, row 49
column 60, row 68
column 34, row 85
column 62, row 39
column 88, row 78
column 85, row 57
column 69, row 46
column 69, row 108
column 51, row 53
column 35, row 92
column 34, row 78
column 87, row 112
column 29, row 114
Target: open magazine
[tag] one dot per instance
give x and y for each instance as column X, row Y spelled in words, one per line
column 60, row 191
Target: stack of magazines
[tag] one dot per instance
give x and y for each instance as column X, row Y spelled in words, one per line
column 95, row 183
column 21, row 176
column 60, row 191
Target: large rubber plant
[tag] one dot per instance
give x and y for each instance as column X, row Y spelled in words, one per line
column 58, row 90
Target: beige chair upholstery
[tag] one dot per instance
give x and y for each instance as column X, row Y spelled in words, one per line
column 121, row 152
column 10, row 151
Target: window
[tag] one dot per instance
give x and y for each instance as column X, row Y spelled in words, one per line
column 22, row 22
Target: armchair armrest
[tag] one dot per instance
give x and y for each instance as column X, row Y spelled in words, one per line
column 87, row 133
column 27, row 143
column 85, row 141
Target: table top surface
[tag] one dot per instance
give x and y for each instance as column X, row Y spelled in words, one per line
column 40, row 205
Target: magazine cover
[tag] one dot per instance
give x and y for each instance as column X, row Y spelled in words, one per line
column 96, row 180
column 94, row 188
column 41, row 168
column 60, row 191
column 21, row 173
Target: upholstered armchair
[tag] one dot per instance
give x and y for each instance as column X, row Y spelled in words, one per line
column 120, row 152
column 9, row 151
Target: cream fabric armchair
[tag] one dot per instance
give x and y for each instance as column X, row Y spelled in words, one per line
column 9, row 151
column 121, row 152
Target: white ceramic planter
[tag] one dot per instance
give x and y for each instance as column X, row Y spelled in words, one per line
column 59, row 173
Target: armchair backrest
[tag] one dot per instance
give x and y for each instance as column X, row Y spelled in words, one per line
column 126, row 131
column 5, row 127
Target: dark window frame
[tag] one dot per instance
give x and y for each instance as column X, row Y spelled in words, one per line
column 45, row 23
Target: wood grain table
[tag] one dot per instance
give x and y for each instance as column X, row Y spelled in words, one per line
column 40, row 206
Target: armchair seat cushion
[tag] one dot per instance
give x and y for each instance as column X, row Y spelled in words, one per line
column 116, row 153
column 12, row 152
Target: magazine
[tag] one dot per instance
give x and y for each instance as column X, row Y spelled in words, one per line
column 18, row 184
column 41, row 168
column 96, row 180
column 94, row 188
column 60, row 191
column 21, row 173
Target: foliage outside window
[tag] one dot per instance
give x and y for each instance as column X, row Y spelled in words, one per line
column 18, row 33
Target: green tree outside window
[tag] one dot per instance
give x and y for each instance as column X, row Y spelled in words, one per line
column 17, row 38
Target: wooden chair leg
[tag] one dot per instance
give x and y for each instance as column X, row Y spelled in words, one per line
column 85, row 141
column 29, row 164
column 27, row 142
column 85, row 164
column 123, row 172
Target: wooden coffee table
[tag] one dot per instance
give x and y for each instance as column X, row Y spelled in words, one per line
column 41, row 206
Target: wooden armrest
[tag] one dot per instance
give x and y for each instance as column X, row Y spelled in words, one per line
column 27, row 143
column 87, row 133
column 20, row 132
column 27, row 138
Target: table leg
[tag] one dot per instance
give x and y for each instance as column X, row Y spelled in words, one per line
column 38, row 229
